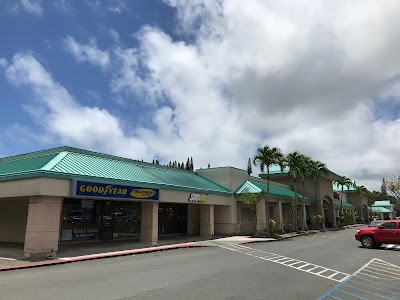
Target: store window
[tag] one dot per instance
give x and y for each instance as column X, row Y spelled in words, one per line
column 246, row 215
column 95, row 219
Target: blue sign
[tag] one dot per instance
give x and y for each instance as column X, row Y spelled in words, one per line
column 102, row 190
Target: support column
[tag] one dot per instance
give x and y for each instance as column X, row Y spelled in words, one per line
column 304, row 218
column 207, row 220
column 43, row 227
column 261, row 216
column 278, row 215
column 149, row 223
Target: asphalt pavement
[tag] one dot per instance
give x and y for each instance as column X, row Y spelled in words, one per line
column 305, row 267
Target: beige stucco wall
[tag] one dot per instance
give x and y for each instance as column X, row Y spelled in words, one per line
column 359, row 201
column 13, row 217
column 183, row 196
column 35, row 187
column 230, row 178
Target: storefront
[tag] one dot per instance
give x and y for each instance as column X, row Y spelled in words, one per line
column 84, row 219
column 67, row 195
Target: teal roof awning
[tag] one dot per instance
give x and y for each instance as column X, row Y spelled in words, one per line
column 280, row 192
column 73, row 163
column 385, row 203
column 344, row 204
column 380, row 210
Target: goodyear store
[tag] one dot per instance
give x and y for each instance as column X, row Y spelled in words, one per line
column 66, row 194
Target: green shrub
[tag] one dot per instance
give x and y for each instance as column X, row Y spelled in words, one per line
column 320, row 221
column 272, row 226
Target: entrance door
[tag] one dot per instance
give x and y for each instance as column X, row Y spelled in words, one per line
column 172, row 218
column 107, row 220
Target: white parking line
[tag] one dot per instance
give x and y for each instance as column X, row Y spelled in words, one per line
column 289, row 262
column 363, row 285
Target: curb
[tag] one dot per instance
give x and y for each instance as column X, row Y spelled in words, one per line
column 99, row 256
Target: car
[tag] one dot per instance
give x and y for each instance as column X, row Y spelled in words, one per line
column 386, row 233
column 375, row 223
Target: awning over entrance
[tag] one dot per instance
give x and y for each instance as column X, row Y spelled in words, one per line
column 344, row 204
column 279, row 192
column 380, row 209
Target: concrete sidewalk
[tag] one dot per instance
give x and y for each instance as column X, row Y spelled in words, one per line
column 11, row 257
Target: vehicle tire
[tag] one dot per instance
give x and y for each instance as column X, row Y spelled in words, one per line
column 368, row 242
column 377, row 245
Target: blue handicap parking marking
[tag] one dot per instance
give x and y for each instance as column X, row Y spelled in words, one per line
column 376, row 280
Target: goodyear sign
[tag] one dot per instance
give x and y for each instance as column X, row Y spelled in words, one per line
column 102, row 190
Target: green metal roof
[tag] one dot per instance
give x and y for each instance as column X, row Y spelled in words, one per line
column 382, row 203
column 29, row 163
column 73, row 163
column 381, row 209
column 280, row 192
column 344, row 204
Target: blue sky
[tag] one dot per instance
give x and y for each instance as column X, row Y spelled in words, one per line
column 215, row 80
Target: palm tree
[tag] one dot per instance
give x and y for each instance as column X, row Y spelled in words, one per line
column 317, row 168
column 293, row 162
column 343, row 181
column 304, row 172
column 266, row 157
column 360, row 190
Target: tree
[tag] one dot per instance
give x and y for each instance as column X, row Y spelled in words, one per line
column 293, row 161
column 316, row 169
column 372, row 197
column 304, row 173
column 187, row 167
column 343, row 181
column 393, row 186
column 249, row 169
column 265, row 158
column 251, row 201
column 191, row 164
column 396, row 208
column 383, row 187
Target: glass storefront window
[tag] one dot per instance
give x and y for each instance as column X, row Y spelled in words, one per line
column 94, row 219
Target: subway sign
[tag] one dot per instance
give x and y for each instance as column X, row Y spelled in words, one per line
column 197, row 197
column 104, row 190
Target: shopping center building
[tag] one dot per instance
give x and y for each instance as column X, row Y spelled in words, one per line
column 69, row 195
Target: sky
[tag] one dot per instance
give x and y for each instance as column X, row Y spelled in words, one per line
column 211, row 79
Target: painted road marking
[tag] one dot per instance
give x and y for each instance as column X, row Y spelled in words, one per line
column 300, row 265
column 375, row 280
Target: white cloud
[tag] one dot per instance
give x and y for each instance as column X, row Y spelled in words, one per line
column 297, row 75
column 62, row 5
column 307, row 76
column 33, row 7
column 112, row 6
column 65, row 119
column 3, row 62
column 87, row 52
column 117, row 6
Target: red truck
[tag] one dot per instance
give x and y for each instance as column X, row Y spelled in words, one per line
column 386, row 233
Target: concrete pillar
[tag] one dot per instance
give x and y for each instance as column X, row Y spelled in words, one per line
column 304, row 216
column 261, row 216
column 278, row 215
column 43, row 227
column 149, row 223
column 193, row 219
column 207, row 220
